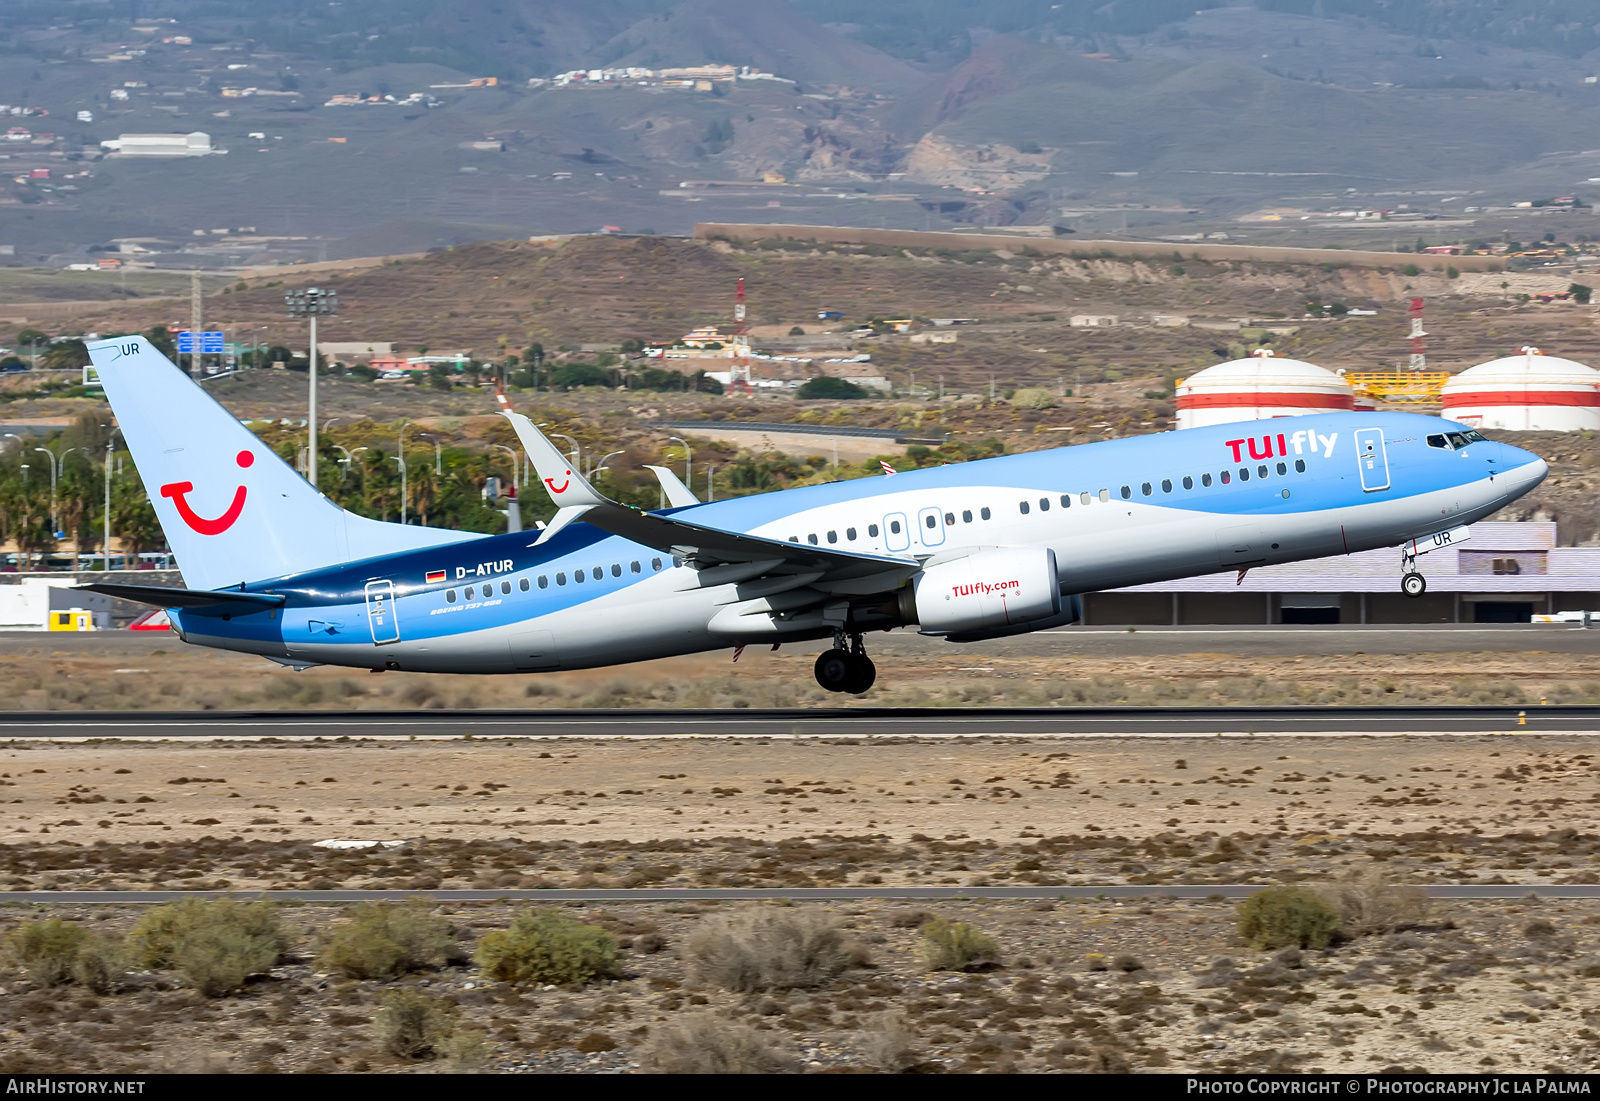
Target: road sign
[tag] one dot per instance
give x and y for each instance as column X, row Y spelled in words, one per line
column 185, row 343
column 211, row 343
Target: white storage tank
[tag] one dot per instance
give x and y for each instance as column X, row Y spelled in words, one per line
column 1531, row 392
column 1260, row 387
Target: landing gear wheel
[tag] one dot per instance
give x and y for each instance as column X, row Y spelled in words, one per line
column 836, row 670
column 862, row 674
column 1413, row 584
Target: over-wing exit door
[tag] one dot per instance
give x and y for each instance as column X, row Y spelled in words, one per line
column 380, row 612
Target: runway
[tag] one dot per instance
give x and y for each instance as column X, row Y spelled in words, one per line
column 1214, row 891
column 920, row 723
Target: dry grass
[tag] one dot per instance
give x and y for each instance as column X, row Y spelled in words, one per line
column 383, row 941
column 703, row 1043
column 770, row 949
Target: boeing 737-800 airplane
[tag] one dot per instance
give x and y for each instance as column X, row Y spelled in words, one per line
column 968, row 552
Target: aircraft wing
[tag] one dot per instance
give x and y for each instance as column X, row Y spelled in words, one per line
column 700, row 546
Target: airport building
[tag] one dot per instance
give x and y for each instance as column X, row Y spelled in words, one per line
column 1505, row 573
column 196, row 144
column 1531, row 392
column 1259, row 387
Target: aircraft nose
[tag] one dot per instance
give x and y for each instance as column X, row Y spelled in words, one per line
column 1523, row 468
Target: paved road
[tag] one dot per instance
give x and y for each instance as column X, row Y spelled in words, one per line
column 794, row 894
column 841, row 723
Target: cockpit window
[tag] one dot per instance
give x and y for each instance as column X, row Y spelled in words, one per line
column 1458, row 440
column 1474, row 436
column 1438, row 440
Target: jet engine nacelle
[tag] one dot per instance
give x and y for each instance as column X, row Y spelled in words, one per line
column 1003, row 587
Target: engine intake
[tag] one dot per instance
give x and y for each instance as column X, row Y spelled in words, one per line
column 1004, row 587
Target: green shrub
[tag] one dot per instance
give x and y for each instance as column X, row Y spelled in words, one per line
column 385, row 941
column 703, row 1043
column 48, row 950
column 957, row 946
column 547, row 947
column 215, row 944
column 769, row 949
column 412, row 1025
column 1280, row 917
column 1033, row 398
column 825, row 387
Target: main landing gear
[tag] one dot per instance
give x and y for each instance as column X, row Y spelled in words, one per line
column 1412, row 583
column 846, row 667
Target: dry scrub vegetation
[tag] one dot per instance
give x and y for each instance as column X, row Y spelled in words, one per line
column 1071, row 985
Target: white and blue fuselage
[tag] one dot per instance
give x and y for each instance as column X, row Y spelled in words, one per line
column 1110, row 514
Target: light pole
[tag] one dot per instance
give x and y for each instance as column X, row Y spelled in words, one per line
column 401, row 459
column 576, row 454
column 55, row 475
column 310, row 303
column 438, row 458
column 344, row 463
column 516, row 465
column 402, row 463
column 110, row 451
column 601, row 465
column 688, row 460
column 711, row 484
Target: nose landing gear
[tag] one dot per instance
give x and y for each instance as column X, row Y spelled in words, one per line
column 1412, row 583
column 846, row 667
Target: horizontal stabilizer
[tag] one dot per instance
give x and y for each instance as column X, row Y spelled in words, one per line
column 163, row 597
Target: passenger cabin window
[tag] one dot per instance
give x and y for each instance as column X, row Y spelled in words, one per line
column 522, row 583
column 1244, row 473
column 949, row 517
column 634, row 566
column 1105, row 496
column 1226, row 477
column 1299, row 466
column 812, row 539
column 984, row 513
column 1205, row 479
column 794, row 539
column 1023, row 505
column 1127, row 492
column 544, row 581
column 1044, row 504
column 597, row 573
column 833, row 537
column 469, row 592
column 616, row 569
column 1283, row 468
column 578, row 577
column 872, row 530
column 850, row 534
column 505, row 588
column 1066, row 500
column 1084, row 497
column 966, row 516
column 894, row 527
column 1166, row 485
column 655, row 563
column 449, row 596
column 561, row 579
column 1145, row 489
column 1188, row 482
column 1261, row 471
column 933, row 522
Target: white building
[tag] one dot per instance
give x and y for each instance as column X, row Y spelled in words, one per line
column 1531, row 392
column 197, row 144
column 1259, row 387
column 1094, row 321
column 46, row 604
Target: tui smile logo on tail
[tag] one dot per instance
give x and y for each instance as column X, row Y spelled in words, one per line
column 559, row 489
column 179, row 491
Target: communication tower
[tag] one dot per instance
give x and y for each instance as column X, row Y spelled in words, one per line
column 1419, row 361
column 739, row 383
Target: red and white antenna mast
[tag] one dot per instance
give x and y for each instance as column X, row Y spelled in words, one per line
column 1419, row 361
column 740, row 381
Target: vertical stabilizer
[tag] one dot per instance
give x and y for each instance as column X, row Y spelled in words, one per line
column 232, row 511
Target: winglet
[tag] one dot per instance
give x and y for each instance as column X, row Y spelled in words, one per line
column 566, row 486
column 677, row 493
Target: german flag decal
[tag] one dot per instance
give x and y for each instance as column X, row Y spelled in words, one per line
column 435, row 575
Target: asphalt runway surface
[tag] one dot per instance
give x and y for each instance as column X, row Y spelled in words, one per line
column 790, row 894
column 864, row 722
